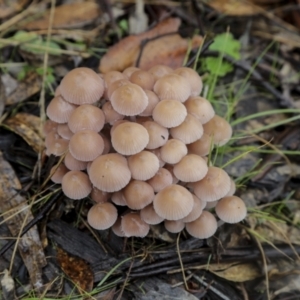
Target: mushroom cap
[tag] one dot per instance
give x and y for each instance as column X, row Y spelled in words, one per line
column 106, row 141
column 156, row 152
column 173, row 151
column 86, row 117
column 173, row 202
column 118, row 198
column 86, row 145
column 158, row 135
column 109, row 172
column 198, row 207
column 129, row 100
column 174, row 226
column 191, row 168
column 74, row 164
column 82, row 86
column 172, row 86
column 170, row 169
column 58, row 172
column 214, row 186
column 49, row 126
column 76, row 185
column 112, row 76
column 58, row 147
column 189, row 131
column 60, row 110
column 143, row 78
column 99, row 196
column 160, row 180
column 111, row 116
column 152, row 102
column 115, row 85
column 138, row 194
column 169, row 113
column 219, row 129
column 102, row 216
column 117, row 229
column 203, row 227
column 57, row 91
column 232, row 188
column 159, row 71
column 143, row 165
column 200, row 108
column 129, row 138
column 149, row 215
column 231, row 209
column 128, row 71
column 64, row 131
column 133, row 225
column 201, row 147
column 193, row 78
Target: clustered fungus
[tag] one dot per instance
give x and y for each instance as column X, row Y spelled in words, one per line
column 136, row 142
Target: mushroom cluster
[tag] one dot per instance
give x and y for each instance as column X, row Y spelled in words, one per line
column 141, row 139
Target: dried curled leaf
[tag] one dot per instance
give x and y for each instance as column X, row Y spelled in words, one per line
column 29, row 128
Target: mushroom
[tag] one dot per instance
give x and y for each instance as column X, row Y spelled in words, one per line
column 133, row 225
column 158, row 135
column 74, row 164
column 152, row 102
column 160, row 180
column 173, row 151
column 143, row 78
column 149, row 215
column 174, row 226
column 58, row 172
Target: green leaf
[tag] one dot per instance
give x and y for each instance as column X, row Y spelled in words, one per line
column 216, row 66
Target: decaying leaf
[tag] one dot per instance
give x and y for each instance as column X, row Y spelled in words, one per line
column 76, row 269
column 168, row 50
column 16, row 211
column 8, row 8
column 28, row 87
column 29, row 128
column 125, row 53
column 71, row 15
column 235, row 7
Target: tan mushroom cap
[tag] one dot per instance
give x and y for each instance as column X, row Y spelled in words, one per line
column 219, row 129
column 118, row 198
column 86, row 145
column 128, row 71
column 133, row 225
column 129, row 138
column 138, row 194
column 102, row 216
column 152, row 102
column 189, row 131
column 193, row 78
column 58, row 147
column 149, row 215
column 174, row 226
column 156, row 152
column 82, row 86
column 99, row 196
column 115, row 85
column 86, row 117
column 214, row 186
column 143, row 78
column 172, row 86
column 232, row 188
column 159, row 71
column 49, row 126
column 57, row 91
column 173, row 202
column 170, row 169
column 198, row 207
column 191, row 168
column 158, row 135
column 200, row 108
column 169, row 113
column 117, row 229
column 64, row 131
column 173, row 151
column 106, row 141
column 76, row 185
column 60, row 110
column 201, row 147
column 58, row 172
column 143, row 165
column 112, row 76
column 74, row 164
column 129, row 100
column 231, row 209
column 203, row 227
column 161, row 179
column 51, row 137
column 109, row 172
column 111, row 116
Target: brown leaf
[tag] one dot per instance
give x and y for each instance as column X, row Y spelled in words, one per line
column 72, row 15
column 235, row 7
column 29, row 128
column 77, row 269
column 8, row 8
column 26, row 88
column 125, row 53
column 16, row 211
column 168, row 50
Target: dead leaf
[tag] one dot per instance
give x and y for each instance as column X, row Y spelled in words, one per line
column 125, row 53
column 28, row 87
column 16, row 211
column 29, row 128
column 72, row 15
column 235, row 7
column 168, row 50
column 9, row 8
column 77, row 269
